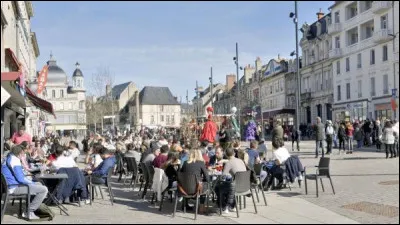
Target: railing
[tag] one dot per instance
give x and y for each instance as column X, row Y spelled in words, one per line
column 335, row 53
column 383, row 35
column 334, row 28
column 380, row 6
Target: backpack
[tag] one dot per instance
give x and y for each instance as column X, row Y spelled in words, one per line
column 45, row 213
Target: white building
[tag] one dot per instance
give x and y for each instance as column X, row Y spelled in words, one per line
column 157, row 108
column 68, row 101
column 316, row 73
column 363, row 58
column 204, row 99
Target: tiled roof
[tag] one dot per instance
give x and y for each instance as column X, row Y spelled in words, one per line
column 157, row 96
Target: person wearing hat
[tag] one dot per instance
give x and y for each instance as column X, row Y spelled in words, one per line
column 330, row 132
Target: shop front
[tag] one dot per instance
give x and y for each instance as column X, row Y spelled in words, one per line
column 352, row 112
column 383, row 111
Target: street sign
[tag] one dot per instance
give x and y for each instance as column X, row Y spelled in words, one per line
column 394, row 92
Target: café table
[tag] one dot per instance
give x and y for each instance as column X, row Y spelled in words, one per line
column 56, row 180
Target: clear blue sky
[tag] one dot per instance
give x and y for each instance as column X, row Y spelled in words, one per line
column 166, row 43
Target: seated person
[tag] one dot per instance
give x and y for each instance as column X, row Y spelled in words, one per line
column 242, row 154
column 152, row 154
column 73, row 151
column 95, row 158
column 14, row 175
column 162, row 157
column 231, row 167
column 131, row 152
column 171, row 168
column 99, row 174
column 28, row 163
column 62, row 160
column 219, row 155
column 280, row 155
column 253, row 154
column 196, row 165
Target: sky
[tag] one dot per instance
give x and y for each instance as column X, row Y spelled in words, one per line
column 169, row 44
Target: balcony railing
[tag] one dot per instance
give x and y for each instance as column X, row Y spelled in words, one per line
column 335, row 53
column 381, row 6
column 382, row 35
column 334, row 28
column 305, row 96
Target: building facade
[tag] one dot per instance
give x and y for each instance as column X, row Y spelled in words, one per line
column 363, row 59
column 316, row 73
column 19, row 51
column 68, row 100
column 155, row 107
column 203, row 100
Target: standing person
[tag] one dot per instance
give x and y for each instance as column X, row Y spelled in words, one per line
column 367, row 127
column 389, row 139
column 349, row 137
column 335, row 136
column 378, row 135
column 295, row 138
column 342, row 136
column 13, row 173
column 320, row 137
column 20, row 136
column 330, row 132
column 358, row 136
column 277, row 131
column 396, row 136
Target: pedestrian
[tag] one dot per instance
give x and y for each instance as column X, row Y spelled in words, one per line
column 389, row 139
column 320, row 137
column 295, row 138
column 378, row 135
column 277, row 132
column 330, row 132
column 396, row 140
column 342, row 136
column 349, row 137
column 358, row 136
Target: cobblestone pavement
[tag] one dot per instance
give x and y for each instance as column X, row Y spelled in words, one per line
column 366, row 185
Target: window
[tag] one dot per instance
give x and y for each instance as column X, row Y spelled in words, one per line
column 367, row 5
column 53, row 93
column 360, row 88
column 372, row 57
column 359, row 60
column 348, row 95
column 167, row 119
column 339, row 94
column 369, row 31
column 338, row 67
column 384, row 53
column 161, row 108
column 61, row 93
column 152, row 119
column 373, row 86
column 337, row 17
column 385, row 84
column 337, row 42
column 162, row 118
column 384, row 21
column 61, row 106
column 70, row 106
column 347, row 64
column 172, row 119
column 81, row 105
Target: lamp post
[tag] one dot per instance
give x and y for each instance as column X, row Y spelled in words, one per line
column 236, row 59
column 295, row 20
column 211, row 88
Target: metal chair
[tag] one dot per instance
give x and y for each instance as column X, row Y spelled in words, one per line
column 322, row 171
column 145, row 176
column 257, row 169
column 8, row 196
column 131, row 167
column 107, row 184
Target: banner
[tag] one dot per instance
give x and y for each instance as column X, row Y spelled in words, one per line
column 42, row 79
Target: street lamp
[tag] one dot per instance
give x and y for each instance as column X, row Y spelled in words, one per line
column 295, row 21
column 211, row 87
column 236, row 59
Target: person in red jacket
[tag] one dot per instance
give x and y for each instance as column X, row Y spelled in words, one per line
column 210, row 128
column 349, row 134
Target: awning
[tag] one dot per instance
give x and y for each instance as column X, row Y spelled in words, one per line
column 11, row 55
column 9, row 83
column 280, row 111
column 38, row 102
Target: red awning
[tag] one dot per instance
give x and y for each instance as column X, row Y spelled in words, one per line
column 11, row 54
column 10, row 76
column 38, row 102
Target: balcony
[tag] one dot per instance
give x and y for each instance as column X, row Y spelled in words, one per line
column 380, row 6
column 305, row 96
column 335, row 53
column 382, row 35
column 334, row 28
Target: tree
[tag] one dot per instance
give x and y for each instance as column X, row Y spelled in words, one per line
column 102, row 103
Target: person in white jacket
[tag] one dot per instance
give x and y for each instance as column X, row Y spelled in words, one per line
column 389, row 139
column 330, row 133
column 396, row 141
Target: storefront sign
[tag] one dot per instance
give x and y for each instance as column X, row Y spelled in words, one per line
column 383, row 106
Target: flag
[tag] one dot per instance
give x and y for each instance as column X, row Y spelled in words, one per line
column 394, row 105
column 42, row 79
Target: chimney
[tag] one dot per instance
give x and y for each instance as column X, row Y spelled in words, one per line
column 320, row 14
column 258, row 64
column 230, row 81
column 108, row 89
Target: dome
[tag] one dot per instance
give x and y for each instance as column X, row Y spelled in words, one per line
column 77, row 72
column 55, row 74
